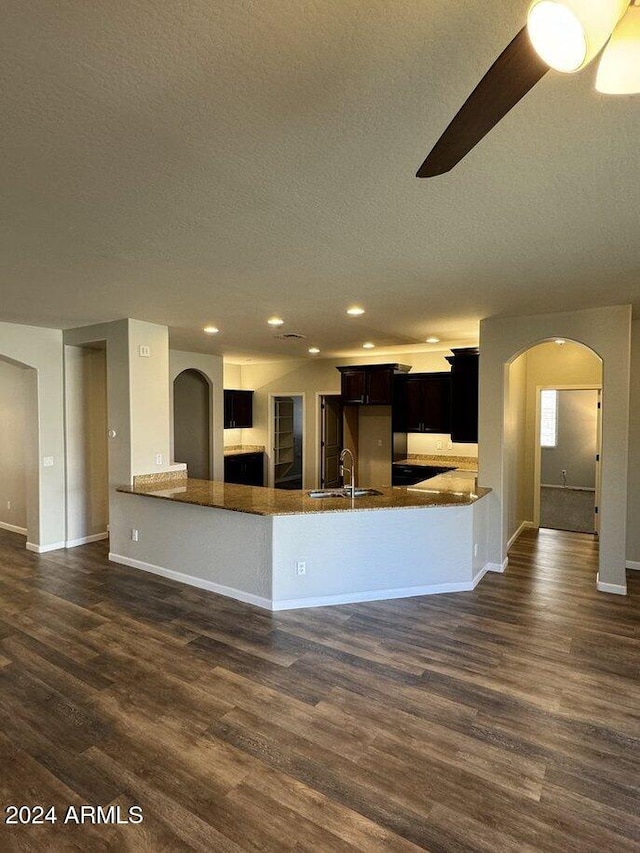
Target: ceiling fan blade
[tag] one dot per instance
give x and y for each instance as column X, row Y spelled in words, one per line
column 512, row 75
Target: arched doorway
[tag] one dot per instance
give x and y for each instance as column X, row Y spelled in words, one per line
column 607, row 332
column 192, row 423
column 552, row 437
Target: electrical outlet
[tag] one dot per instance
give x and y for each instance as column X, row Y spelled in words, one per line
column 135, row 536
column 47, row 461
column 301, row 567
column 144, row 352
column 8, row 504
column 449, row 445
column 158, row 458
column 438, row 445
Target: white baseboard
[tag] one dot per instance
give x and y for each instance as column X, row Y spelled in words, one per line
column 498, row 567
column 13, row 528
column 632, row 564
column 42, row 549
column 613, row 588
column 190, row 580
column 478, row 577
column 525, row 525
column 372, row 595
column 84, row 540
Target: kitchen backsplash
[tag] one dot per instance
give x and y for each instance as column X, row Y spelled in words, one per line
column 439, row 445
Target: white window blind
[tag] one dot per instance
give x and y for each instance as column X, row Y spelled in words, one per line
column 548, row 418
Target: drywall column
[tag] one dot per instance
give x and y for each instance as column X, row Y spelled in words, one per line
column 42, row 350
column 149, row 397
column 607, row 331
column 633, row 509
column 210, row 366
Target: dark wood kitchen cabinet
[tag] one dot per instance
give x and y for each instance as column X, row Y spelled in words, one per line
column 369, row 385
column 464, row 395
column 238, row 409
column 245, row 469
column 422, row 403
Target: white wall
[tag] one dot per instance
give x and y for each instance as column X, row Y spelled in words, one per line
column 232, row 379
column 607, row 331
column 633, row 492
column 149, row 398
column 41, row 349
column 575, row 450
column 211, row 367
column 227, row 552
column 86, row 436
column 16, row 409
column 515, row 438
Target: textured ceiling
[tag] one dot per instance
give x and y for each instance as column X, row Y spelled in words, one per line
column 185, row 162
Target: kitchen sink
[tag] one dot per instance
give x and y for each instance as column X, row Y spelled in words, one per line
column 342, row 493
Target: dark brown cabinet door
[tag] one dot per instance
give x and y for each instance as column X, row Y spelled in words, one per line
column 422, row 403
column 238, row 409
column 436, row 402
column 380, row 386
column 353, row 388
column 464, row 395
column 245, row 469
column 370, row 385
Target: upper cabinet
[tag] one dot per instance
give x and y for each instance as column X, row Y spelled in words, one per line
column 422, row 403
column 464, row 395
column 369, row 385
column 238, row 409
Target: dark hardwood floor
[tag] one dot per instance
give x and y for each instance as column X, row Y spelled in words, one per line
column 501, row 719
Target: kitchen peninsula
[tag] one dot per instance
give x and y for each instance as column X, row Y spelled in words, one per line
column 283, row 549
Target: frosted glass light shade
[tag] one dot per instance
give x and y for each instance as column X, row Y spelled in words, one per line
column 619, row 71
column 568, row 34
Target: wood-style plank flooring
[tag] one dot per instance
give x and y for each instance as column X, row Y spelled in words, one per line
column 496, row 720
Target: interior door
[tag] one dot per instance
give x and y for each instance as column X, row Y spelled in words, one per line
column 330, row 441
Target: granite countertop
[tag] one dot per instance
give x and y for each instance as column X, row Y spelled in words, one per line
column 461, row 463
column 263, row 501
column 239, row 449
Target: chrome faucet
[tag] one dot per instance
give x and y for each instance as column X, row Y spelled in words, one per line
column 352, row 471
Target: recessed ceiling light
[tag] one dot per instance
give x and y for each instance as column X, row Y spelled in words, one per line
column 275, row 321
column 355, row 311
column 560, row 341
column 211, row 330
column 368, row 345
column 314, row 350
column 433, row 340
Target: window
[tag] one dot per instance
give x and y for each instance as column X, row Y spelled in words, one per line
column 548, row 418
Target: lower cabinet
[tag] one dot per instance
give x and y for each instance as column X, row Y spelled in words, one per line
column 245, row 469
column 408, row 475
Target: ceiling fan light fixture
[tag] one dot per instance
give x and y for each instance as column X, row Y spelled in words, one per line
column 568, row 34
column 619, row 70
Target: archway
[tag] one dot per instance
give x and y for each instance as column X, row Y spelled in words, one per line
column 192, row 423
column 568, row 376
column 607, row 332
